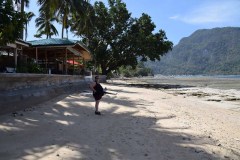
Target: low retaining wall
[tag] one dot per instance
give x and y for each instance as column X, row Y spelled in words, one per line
column 19, row 91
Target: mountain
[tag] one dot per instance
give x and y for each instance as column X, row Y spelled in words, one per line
column 206, row 51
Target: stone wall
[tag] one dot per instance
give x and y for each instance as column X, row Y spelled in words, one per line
column 19, row 91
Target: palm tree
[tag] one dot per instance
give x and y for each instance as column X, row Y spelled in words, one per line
column 69, row 8
column 83, row 23
column 28, row 17
column 22, row 3
column 45, row 26
column 64, row 10
column 44, row 22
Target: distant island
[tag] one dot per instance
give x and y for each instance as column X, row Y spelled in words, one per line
column 207, row 51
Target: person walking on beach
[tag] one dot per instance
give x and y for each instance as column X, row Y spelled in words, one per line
column 98, row 92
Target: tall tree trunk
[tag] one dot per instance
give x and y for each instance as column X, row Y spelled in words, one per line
column 22, row 11
column 64, row 24
column 26, row 32
column 62, row 30
column 67, row 32
column 104, row 70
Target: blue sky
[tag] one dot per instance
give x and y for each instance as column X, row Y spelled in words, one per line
column 178, row 18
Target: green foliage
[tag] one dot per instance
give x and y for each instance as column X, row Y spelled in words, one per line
column 11, row 22
column 82, row 21
column 140, row 70
column 29, row 67
column 208, row 51
column 28, row 18
column 34, row 68
column 117, row 39
column 44, row 22
column 65, row 12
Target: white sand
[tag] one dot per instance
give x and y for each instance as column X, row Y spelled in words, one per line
column 137, row 124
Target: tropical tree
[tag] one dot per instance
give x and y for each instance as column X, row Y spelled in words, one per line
column 11, row 22
column 44, row 22
column 63, row 11
column 28, row 17
column 117, row 39
column 23, row 4
column 147, row 45
column 45, row 26
column 67, row 9
column 82, row 23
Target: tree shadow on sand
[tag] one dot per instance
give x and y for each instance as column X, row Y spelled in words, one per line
column 73, row 132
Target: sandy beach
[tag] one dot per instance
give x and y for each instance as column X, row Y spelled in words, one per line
column 139, row 123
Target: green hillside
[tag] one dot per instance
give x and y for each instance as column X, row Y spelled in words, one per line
column 206, row 51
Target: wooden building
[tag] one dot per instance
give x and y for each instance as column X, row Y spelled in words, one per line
column 55, row 56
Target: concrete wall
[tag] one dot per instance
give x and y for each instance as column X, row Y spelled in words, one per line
column 19, row 91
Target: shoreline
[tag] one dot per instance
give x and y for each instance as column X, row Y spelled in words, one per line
column 204, row 92
column 191, row 81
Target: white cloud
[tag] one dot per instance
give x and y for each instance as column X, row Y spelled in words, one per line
column 218, row 12
column 174, row 17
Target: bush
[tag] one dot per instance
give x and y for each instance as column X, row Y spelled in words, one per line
column 140, row 70
column 29, row 67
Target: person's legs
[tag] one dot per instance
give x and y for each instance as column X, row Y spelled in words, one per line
column 97, row 101
column 96, row 105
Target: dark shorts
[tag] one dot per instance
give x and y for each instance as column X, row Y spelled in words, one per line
column 97, row 96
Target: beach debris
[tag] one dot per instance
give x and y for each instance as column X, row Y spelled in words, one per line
column 215, row 100
column 198, row 151
column 14, row 114
column 181, row 93
column 232, row 99
column 28, row 109
column 226, row 157
column 199, row 94
column 188, row 139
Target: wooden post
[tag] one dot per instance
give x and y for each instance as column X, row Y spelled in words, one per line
column 73, row 65
column 80, row 71
column 83, row 66
column 66, row 61
column 46, row 61
column 37, row 55
column 15, row 57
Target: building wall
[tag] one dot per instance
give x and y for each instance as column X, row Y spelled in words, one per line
column 19, row 91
